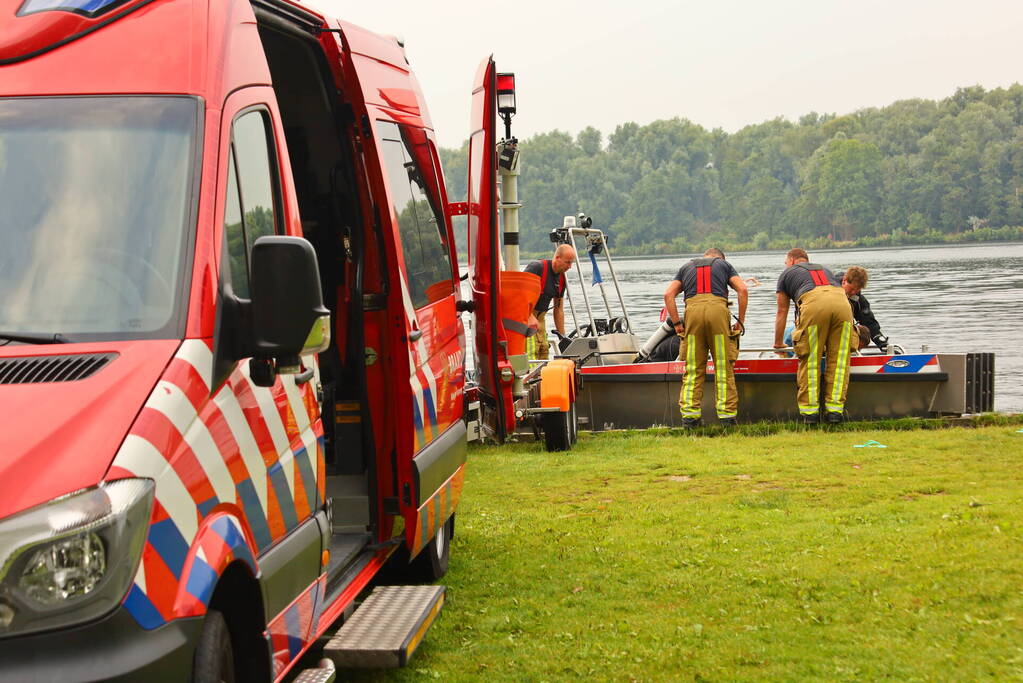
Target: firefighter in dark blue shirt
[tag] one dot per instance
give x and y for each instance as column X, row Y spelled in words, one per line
column 705, row 282
column 824, row 326
column 552, row 289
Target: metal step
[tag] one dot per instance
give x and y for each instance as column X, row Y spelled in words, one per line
column 324, row 673
column 386, row 629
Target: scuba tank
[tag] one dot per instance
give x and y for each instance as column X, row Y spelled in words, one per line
column 665, row 330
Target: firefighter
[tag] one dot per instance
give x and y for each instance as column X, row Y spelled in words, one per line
column 824, row 326
column 552, row 288
column 705, row 282
column 853, row 282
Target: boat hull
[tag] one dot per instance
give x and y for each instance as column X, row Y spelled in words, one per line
column 643, row 395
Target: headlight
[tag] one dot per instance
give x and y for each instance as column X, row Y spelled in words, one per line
column 72, row 559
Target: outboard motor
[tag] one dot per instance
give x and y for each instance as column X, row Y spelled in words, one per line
column 665, row 330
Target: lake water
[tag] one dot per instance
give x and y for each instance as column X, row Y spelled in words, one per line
column 949, row 298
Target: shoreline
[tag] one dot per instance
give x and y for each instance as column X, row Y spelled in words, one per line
column 765, row 252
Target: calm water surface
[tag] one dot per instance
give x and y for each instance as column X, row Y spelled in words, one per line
column 950, row 298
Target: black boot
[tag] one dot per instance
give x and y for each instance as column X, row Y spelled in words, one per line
column 812, row 419
column 690, row 422
column 727, row 421
column 834, row 417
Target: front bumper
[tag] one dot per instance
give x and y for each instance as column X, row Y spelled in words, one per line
column 114, row 648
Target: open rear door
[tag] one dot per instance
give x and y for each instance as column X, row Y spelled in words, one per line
column 484, row 254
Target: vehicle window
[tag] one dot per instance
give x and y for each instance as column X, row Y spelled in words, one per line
column 252, row 152
column 421, row 224
column 97, row 194
column 251, row 210
column 234, row 234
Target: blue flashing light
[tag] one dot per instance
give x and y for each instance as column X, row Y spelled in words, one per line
column 86, row 8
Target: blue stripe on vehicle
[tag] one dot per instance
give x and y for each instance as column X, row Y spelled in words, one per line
column 417, row 418
column 201, row 580
column 305, row 469
column 232, row 537
column 169, row 545
column 430, row 408
column 316, row 467
column 294, row 625
column 284, row 497
column 141, row 608
column 207, row 505
column 254, row 514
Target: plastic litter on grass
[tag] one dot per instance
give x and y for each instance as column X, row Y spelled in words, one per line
column 870, row 444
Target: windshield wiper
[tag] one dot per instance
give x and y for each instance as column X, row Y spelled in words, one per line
column 34, row 338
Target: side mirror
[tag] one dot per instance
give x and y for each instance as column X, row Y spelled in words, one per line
column 288, row 316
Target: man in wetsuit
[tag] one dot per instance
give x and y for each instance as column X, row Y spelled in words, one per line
column 824, row 326
column 853, row 282
column 552, row 288
column 706, row 329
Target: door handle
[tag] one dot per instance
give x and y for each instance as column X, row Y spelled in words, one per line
column 415, row 335
column 304, row 376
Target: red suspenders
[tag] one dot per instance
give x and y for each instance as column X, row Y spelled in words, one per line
column 562, row 282
column 703, row 280
column 817, row 274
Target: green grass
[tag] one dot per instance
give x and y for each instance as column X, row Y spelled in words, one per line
column 788, row 556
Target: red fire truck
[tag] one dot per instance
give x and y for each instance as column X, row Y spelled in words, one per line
column 231, row 351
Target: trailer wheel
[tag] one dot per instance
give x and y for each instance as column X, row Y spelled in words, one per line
column 432, row 561
column 557, row 431
column 214, row 659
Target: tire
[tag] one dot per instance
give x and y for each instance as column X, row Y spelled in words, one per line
column 214, row 657
column 432, row 561
column 557, row 434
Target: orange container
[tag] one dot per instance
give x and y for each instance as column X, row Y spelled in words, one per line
column 519, row 292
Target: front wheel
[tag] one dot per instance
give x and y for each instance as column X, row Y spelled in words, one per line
column 432, row 561
column 214, row 658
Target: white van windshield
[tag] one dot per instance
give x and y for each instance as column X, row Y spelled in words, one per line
column 96, row 195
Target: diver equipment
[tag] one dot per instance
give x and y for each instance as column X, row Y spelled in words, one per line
column 664, row 330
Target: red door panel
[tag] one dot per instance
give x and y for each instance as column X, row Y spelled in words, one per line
column 484, row 252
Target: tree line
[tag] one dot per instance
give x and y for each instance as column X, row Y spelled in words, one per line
column 914, row 172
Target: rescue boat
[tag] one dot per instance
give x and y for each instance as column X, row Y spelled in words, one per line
column 619, row 389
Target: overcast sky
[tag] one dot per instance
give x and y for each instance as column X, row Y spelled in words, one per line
column 720, row 63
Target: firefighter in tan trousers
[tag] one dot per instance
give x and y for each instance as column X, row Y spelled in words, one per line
column 824, row 326
column 706, row 329
column 552, row 289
